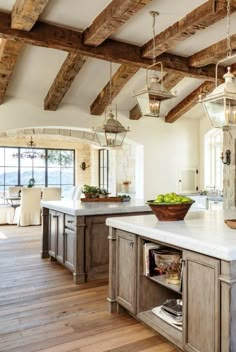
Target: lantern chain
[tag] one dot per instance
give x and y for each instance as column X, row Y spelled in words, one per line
column 154, row 35
column 229, row 48
column 110, row 83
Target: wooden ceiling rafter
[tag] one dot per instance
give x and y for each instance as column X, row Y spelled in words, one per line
column 170, row 80
column 198, row 19
column 106, row 23
column 9, row 51
column 110, row 19
column 23, row 16
column 51, row 36
column 189, row 102
column 212, row 53
column 25, row 13
column 66, row 75
column 119, row 79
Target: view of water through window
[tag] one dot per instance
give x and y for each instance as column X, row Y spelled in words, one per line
column 47, row 167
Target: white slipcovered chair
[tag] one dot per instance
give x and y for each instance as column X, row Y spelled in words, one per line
column 13, row 191
column 77, row 193
column 6, row 214
column 29, row 211
column 51, row 193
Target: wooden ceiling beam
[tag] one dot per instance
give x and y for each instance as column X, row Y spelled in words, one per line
column 170, row 80
column 200, row 18
column 212, row 53
column 23, row 16
column 66, row 75
column 25, row 13
column 9, row 51
column 119, row 79
column 189, row 102
column 111, row 19
column 51, row 36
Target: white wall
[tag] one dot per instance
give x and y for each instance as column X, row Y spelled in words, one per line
column 166, row 147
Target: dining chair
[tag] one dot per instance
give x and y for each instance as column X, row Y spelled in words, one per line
column 77, row 193
column 29, row 211
column 13, row 191
column 6, row 214
column 51, row 193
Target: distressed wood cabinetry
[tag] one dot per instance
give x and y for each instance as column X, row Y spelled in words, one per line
column 126, row 270
column 80, row 243
column 56, row 235
column 138, row 293
column 201, row 303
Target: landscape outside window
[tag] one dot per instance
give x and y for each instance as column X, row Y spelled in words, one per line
column 56, row 169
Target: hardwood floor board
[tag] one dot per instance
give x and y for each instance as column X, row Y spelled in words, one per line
column 17, row 300
column 45, row 302
column 58, row 305
column 138, row 346
column 102, row 341
column 49, row 335
column 56, row 315
column 42, row 310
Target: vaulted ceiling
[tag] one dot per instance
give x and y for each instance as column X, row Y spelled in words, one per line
column 57, row 51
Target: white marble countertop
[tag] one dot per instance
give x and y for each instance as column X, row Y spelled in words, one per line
column 201, row 231
column 77, row 208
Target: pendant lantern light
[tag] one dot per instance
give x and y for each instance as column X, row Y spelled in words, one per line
column 150, row 97
column 112, row 133
column 220, row 105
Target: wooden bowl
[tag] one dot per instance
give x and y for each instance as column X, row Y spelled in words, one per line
column 169, row 211
column 231, row 223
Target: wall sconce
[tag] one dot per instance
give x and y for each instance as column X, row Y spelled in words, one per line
column 83, row 165
column 226, row 159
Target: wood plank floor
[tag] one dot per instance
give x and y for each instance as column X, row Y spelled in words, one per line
column 42, row 310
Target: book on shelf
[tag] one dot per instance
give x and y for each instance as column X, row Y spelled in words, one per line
column 146, row 256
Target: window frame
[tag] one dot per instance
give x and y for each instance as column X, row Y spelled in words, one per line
column 103, row 170
column 32, row 168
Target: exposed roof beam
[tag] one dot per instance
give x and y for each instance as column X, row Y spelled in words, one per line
column 56, row 37
column 23, row 16
column 68, row 71
column 200, row 18
column 169, row 81
column 212, row 53
column 25, row 13
column 119, row 79
column 189, row 102
column 9, row 51
column 110, row 19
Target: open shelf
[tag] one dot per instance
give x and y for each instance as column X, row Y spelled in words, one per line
column 168, row 330
column 162, row 280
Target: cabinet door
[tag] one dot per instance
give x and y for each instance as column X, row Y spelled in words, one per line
column 126, row 270
column 97, row 247
column 201, row 303
column 52, row 240
column 60, row 237
column 70, row 249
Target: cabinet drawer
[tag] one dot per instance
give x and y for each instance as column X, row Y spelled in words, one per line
column 70, row 221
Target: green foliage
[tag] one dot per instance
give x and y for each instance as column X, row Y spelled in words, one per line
column 62, row 158
column 102, row 191
column 90, row 189
column 31, row 182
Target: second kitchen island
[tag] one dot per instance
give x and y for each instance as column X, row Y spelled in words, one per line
column 75, row 234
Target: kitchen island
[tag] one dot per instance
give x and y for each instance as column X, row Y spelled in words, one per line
column 208, row 285
column 75, row 234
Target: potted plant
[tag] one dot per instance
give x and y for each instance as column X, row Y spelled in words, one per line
column 90, row 191
column 103, row 193
column 31, row 182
